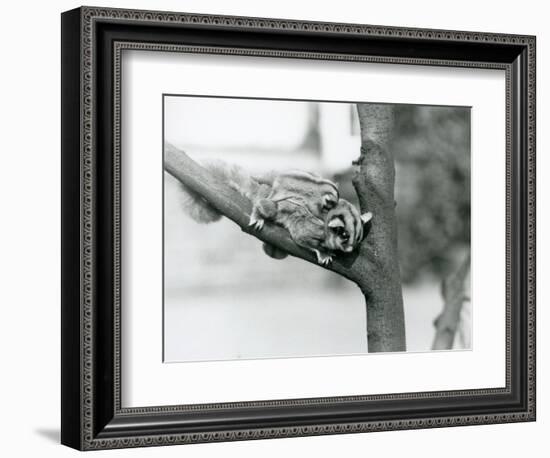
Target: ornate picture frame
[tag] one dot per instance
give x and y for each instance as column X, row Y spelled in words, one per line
column 93, row 416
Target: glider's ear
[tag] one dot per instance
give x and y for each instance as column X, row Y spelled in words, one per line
column 366, row 217
column 336, row 222
column 330, row 200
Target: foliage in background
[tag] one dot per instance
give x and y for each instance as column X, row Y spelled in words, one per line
column 432, row 153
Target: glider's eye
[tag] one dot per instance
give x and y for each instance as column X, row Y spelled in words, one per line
column 341, row 232
column 329, row 201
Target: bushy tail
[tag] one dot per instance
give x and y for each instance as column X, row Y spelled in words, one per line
column 198, row 208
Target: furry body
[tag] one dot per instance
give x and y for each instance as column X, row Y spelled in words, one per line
column 305, row 204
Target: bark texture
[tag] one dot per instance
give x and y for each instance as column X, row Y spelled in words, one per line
column 374, row 267
column 374, row 182
column 454, row 295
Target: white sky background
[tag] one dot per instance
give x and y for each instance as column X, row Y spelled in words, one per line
column 216, row 126
column 234, row 123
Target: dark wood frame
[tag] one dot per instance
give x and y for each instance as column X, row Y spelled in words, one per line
column 92, row 40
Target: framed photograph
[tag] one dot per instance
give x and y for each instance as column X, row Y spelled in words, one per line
column 276, row 228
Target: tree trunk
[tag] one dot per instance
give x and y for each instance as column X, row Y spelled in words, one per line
column 374, row 183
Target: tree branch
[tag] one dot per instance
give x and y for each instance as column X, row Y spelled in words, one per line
column 454, row 295
column 237, row 208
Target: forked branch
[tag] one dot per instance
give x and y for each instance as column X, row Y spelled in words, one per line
column 374, row 266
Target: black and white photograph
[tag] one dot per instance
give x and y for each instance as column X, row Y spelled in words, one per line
column 301, row 228
column 277, row 228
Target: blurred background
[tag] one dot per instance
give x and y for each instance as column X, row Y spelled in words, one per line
column 225, row 299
